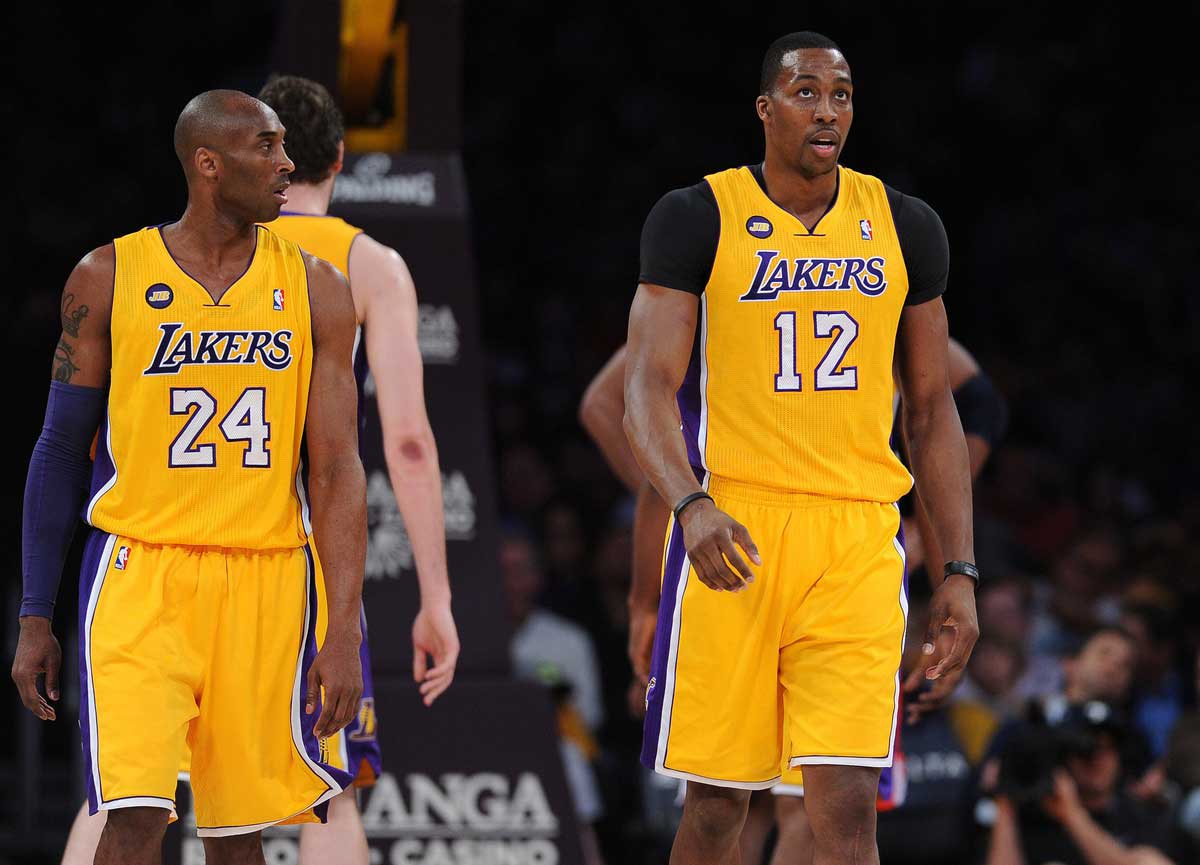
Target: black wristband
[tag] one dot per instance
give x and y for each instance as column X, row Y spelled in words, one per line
column 965, row 568
column 687, row 500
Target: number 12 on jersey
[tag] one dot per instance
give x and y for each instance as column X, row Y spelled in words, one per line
column 830, row 375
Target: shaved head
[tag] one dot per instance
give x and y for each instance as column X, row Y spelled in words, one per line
column 215, row 119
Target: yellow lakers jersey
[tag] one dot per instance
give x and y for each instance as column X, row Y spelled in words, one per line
column 791, row 386
column 202, row 440
column 326, row 237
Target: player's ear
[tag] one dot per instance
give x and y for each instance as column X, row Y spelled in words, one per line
column 206, row 162
column 341, row 157
column 762, row 106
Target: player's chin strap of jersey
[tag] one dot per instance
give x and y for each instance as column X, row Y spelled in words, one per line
column 967, row 569
column 55, row 490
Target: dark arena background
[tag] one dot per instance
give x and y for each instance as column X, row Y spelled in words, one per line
column 510, row 152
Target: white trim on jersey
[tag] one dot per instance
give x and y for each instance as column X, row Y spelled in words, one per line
column 93, row 599
column 305, row 516
column 111, row 481
column 139, row 802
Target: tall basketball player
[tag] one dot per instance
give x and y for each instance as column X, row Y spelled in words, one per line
column 385, row 303
column 772, row 302
column 214, row 358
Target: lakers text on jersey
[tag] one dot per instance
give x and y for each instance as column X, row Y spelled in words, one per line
column 786, row 412
column 198, row 602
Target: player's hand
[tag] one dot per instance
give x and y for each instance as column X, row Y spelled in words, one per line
column 642, row 624
column 434, row 634
column 712, row 538
column 38, row 653
column 337, row 673
column 920, row 701
column 951, row 608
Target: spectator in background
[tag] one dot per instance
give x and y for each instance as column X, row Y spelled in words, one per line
column 1100, row 672
column 1158, row 694
column 1080, row 594
column 987, row 696
column 1060, row 798
column 1182, row 761
column 543, row 640
column 549, row 649
column 1005, row 613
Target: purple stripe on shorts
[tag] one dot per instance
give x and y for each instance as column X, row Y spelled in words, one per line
column 672, row 565
column 307, row 722
column 887, row 785
column 92, row 552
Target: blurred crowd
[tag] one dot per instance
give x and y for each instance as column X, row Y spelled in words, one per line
column 1071, row 284
column 1080, row 697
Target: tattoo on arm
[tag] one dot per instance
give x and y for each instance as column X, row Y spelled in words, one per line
column 64, row 361
column 72, row 317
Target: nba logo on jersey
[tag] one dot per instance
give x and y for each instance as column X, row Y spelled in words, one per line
column 864, row 226
column 278, row 298
column 122, row 558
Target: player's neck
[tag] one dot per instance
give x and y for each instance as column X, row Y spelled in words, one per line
column 310, row 198
column 204, row 233
column 803, row 196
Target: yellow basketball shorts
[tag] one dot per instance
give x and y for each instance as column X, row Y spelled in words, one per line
column 201, row 653
column 808, row 654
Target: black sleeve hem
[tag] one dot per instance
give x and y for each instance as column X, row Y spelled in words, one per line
column 924, row 247
column 679, row 240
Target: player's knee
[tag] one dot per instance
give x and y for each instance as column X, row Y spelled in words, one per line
column 234, row 849
column 716, row 811
column 139, row 823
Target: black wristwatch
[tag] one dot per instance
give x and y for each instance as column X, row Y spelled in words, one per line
column 965, row 568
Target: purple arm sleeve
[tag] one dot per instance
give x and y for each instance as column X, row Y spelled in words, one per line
column 55, row 489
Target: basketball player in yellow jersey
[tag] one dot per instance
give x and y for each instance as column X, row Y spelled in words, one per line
column 385, row 303
column 772, row 302
column 213, row 356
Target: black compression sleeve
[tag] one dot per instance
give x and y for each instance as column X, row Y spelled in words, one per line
column 923, row 244
column 982, row 409
column 679, row 239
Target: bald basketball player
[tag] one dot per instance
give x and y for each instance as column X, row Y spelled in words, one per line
column 214, row 358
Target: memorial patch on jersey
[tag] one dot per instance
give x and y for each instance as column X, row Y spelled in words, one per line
column 273, row 349
column 760, row 227
column 774, row 274
column 159, row 295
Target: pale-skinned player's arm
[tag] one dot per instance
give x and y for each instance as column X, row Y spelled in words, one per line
column 662, row 323
column 56, row 486
column 602, row 412
column 388, row 297
column 338, row 494
column 943, row 474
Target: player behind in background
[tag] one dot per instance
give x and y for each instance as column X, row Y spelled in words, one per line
column 385, row 303
column 771, row 305
column 221, row 414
